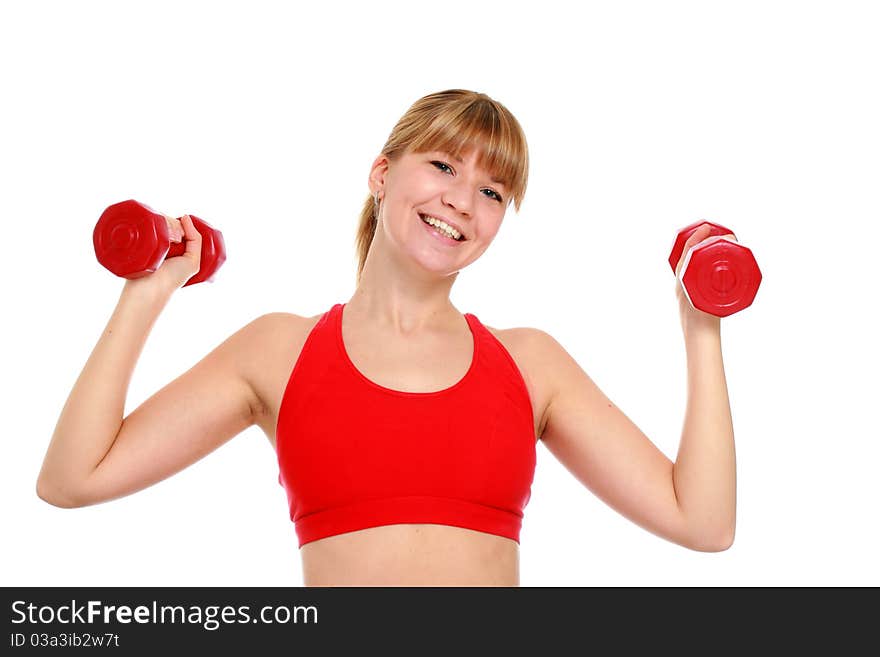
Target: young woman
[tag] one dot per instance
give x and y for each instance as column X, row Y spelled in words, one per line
column 405, row 430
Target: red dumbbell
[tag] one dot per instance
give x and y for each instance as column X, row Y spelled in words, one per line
column 132, row 240
column 719, row 277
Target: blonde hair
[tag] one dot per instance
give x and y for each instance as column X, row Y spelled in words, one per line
column 455, row 121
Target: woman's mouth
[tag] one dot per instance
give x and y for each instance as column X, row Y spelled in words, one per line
column 440, row 233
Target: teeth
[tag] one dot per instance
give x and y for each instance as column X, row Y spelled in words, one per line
column 442, row 226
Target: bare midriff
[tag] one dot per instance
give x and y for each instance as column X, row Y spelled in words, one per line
column 411, row 555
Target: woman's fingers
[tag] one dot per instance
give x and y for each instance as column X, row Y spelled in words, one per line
column 696, row 237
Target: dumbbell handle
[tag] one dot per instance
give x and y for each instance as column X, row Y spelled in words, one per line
column 175, row 229
column 177, row 246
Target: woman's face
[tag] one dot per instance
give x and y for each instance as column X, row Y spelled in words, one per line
column 437, row 184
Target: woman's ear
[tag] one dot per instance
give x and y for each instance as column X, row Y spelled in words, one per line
column 378, row 171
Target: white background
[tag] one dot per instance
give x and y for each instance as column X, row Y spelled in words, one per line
column 263, row 118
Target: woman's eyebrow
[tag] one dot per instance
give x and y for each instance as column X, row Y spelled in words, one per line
column 458, row 159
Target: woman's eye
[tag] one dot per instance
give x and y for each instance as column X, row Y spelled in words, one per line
column 492, row 192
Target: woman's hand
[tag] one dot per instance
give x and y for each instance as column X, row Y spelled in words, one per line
column 174, row 272
column 693, row 318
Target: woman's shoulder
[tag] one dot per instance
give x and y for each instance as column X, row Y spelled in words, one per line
column 262, row 340
column 283, row 320
column 526, row 340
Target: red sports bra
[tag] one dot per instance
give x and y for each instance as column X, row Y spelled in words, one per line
column 354, row 454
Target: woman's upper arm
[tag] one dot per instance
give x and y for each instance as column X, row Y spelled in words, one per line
column 605, row 450
column 190, row 417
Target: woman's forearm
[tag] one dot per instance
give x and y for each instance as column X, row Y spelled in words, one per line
column 93, row 413
column 704, row 473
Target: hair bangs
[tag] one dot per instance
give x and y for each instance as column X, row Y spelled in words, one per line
column 480, row 125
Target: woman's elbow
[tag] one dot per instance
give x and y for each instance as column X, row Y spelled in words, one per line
column 51, row 495
column 718, row 543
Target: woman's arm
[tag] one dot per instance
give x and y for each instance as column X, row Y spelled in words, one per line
column 704, row 474
column 94, row 455
column 689, row 502
column 93, row 413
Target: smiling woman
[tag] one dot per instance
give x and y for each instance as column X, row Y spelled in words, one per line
column 386, row 486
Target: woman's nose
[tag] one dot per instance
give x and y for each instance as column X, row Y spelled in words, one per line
column 458, row 197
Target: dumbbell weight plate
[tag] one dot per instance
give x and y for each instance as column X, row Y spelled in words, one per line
column 131, row 239
column 720, row 277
